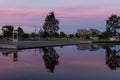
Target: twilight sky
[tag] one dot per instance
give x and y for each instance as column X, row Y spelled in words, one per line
column 73, row 14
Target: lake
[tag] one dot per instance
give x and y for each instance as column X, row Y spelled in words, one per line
column 76, row 62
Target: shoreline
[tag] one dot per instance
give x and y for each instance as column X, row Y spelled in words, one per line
column 39, row 44
column 106, row 41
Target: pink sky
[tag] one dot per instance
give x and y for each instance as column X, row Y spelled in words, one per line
column 73, row 15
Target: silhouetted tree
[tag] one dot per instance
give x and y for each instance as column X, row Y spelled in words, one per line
column 33, row 35
column 77, row 35
column 7, row 31
column 94, row 33
column 71, row 35
column 113, row 23
column 106, row 34
column 56, row 35
column 41, row 32
column 51, row 24
column 20, row 32
column 46, row 35
column 25, row 36
column 62, row 35
column 1, row 36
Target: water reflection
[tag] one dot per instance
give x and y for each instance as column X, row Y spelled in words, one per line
column 50, row 58
column 7, row 52
column 112, row 53
column 90, row 47
column 112, row 57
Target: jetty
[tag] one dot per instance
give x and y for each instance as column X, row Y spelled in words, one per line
column 39, row 44
column 36, row 44
column 47, row 43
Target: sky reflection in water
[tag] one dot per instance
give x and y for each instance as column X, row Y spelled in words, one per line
column 83, row 61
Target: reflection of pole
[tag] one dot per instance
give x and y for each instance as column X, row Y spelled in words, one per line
column 35, row 52
column 15, row 56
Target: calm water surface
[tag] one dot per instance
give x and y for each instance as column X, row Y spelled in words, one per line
column 78, row 62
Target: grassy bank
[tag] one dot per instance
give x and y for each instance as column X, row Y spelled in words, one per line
column 105, row 41
column 64, row 40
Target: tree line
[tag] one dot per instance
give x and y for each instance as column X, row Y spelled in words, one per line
column 51, row 27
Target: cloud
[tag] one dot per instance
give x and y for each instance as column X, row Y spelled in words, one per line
column 72, row 13
column 21, row 16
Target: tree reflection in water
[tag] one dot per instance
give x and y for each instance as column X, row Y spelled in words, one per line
column 50, row 58
column 90, row 47
column 7, row 52
column 112, row 54
column 112, row 57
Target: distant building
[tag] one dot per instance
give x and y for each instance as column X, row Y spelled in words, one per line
column 114, row 38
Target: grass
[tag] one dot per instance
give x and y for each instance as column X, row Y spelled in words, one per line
column 66, row 39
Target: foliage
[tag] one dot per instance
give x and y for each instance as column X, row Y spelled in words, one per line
column 51, row 24
column 94, row 32
column 20, row 32
column 106, row 34
column 25, row 36
column 71, row 36
column 76, row 35
column 33, row 35
column 7, row 31
column 41, row 33
column 113, row 23
column 56, row 35
column 46, row 35
column 62, row 35
column 82, row 33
